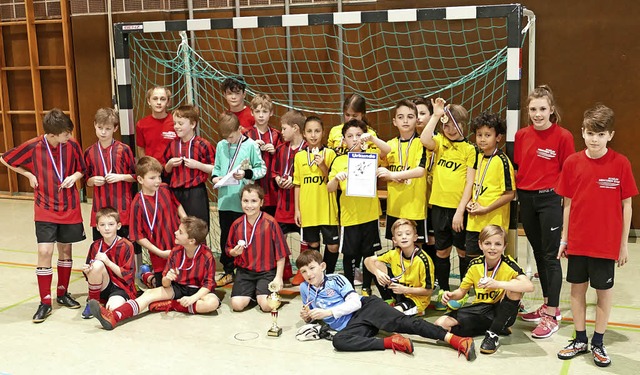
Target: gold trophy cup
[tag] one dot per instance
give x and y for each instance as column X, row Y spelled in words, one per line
column 274, row 302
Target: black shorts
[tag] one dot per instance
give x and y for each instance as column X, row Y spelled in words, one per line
column 599, row 272
column 251, row 284
column 194, row 200
column 476, row 319
column 442, row 220
column 63, row 233
column 289, row 228
column 421, row 226
column 407, row 305
column 473, row 247
column 430, row 231
column 112, row 290
column 329, row 234
column 360, row 240
column 180, row 290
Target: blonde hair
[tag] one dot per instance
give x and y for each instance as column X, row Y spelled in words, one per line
column 492, row 230
column 166, row 91
column 106, row 116
column 228, row 123
column 400, row 222
column 263, row 100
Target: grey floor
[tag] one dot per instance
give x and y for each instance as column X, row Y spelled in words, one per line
column 234, row 343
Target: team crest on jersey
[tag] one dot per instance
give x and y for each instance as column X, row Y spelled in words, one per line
column 331, row 292
column 609, row 183
column 169, row 135
column 546, row 153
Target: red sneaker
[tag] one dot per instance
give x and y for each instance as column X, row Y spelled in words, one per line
column 161, row 306
column 534, row 316
column 104, row 316
column 467, row 348
column 401, row 343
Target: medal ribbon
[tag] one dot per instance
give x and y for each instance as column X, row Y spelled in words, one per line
column 152, row 224
column 253, row 230
column 59, row 172
column 495, row 270
column 406, row 161
column 313, row 161
column 235, row 154
column 184, row 257
column 396, row 278
column 104, row 164
column 455, row 123
column 480, row 177
column 188, row 148
column 289, row 165
column 110, row 246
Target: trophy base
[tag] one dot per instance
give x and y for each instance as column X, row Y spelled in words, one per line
column 274, row 332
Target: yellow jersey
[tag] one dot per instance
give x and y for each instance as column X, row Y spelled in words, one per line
column 508, row 270
column 407, row 199
column 450, row 170
column 317, row 205
column 335, row 139
column 415, row 272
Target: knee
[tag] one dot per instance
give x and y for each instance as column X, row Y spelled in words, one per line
column 514, row 296
column 45, row 251
column 444, row 253
column 332, row 248
column 338, row 343
column 238, row 304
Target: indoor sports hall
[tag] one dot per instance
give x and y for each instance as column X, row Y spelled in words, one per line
column 81, row 55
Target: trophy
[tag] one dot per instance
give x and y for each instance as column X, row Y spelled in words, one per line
column 274, row 302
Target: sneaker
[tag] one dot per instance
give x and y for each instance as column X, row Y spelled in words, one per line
column 297, row 279
column 66, row 300
column 505, row 332
column 42, row 313
column 86, row 314
column 455, row 305
column 467, row 348
column 574, row 348
column 401, row 343
column 366, row 292
column 439, row 306
column 160, row 306
column 600, row 356
column 535, row 316
column 490, row 343
column 225, row 279
column 357, row 277
column 547, row 327
column 104, row 316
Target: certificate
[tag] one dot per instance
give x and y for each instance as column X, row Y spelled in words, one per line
column 361, row 174
column 228, row 179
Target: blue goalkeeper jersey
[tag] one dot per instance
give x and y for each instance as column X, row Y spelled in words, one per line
column 333, row 292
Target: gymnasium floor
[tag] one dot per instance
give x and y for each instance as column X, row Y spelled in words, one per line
column 233, row 343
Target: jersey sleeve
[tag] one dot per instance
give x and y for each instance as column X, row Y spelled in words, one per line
column 208, row 279
column 258, row 167
column 124, row 259
column 628, row 183
column 93, row 249
column 232, row 239
column 136, row 220
column 171, row 261
column 22, row 156
column 565, row 186
column 129, row 161
column 297, row 167
column 386, row 257
column 566, row 147
column 344, row 286
column 140, row 141
column 421, row 158
column 78, row 159
column 91, row 169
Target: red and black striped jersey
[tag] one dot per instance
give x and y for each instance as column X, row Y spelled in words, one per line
column 267, row 182
column 283, row 167
column 266, row 248
column 121, row 253
column 198, row 149
column 155, row 217
column 197, row 272
column 117, row 158
column 51, row 165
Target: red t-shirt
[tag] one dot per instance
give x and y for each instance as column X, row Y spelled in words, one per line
column 199, row 149
column 196, row 272
column 264, row 248
column 153, row 135
column 596, row 188
column 268, row 184
column 538, row 156
column 121, row 253
column 283, row 167
column 246, row 119
column 51, row 204
column 163, row 218
column 117, row 158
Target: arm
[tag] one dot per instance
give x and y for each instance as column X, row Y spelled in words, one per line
column 382, row 145
column 164, row 254
column 455, row 295
column 140, row 151
column 279, row 272
column 505, row 198
column 33, row 181
column 109, row 264
column 458, row 217
column 416, row 291
column 427, row 133
column 181, row 212
column 334, row 183
column 627, row 210
column 190, row 300
column 351, row 304
column 378, row 269
column 70, row 181
column 113, row 178
column 416, row 172
column 296, row 199
column 521, row 284
column 566, row 210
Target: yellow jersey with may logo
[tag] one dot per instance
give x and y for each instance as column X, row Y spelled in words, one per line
column 450, row 170
column 507, row 270
column 406, row 199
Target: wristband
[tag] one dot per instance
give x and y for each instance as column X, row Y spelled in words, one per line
column 565, row 243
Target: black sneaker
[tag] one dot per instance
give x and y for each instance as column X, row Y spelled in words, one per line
column 490, row 343
column 574, row 348
column 67, row 301
column 600, row 356
column 43, row 312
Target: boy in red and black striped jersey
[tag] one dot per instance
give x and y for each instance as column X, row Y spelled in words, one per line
column 189, row 160
column 187, row 282
column 268, row 139
column 52, row 163
column 155, row 214
column 259, row 250
column 110, row 265
column 110, row 170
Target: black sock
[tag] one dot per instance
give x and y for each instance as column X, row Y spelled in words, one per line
column 430, row 250
column 582, row 336
column 505, row 316
column 597, row 338
column 464, row 264
column 330, row 260
column 442, row 268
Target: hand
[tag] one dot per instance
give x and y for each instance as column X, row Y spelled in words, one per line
column 383, row 278
column 102, row 257
column 68, row 182
column 33, row 181
column 285, row 183
column 318, row 158
column 383, row 174
column 458, row 222
column 260, row 143
column 112, row 178
column 318, row 314
column 99, row 180
column 237, row 250
column 192, row 163
column 562, row 250
column 215, row 180
column 446, row 296
column 623, row 258
column 438, row 106
column 304, row 313
column 187, row 301
column 276, row 283
column 489, row 283
column 398, row 288
column 342, row 176
column 298, row 218
column 365, row 137
column 86, row 268
column 269, row 148
column 474, row 208
column 174, row 162
column 173, row 274
column 239, row 175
